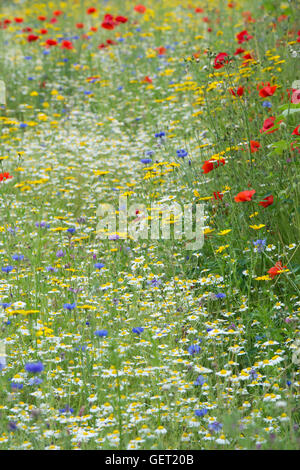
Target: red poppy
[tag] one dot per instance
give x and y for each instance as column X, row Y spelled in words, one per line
column 244, row 196
column 198, row 10
column 79, row 25
column 268, row 201
column 18, row 20
column 27, row 30
column 7, row 21
column 43, row 31
column 210, row 165
column 91, row 10
column 268, row 126
column 267, row 90
column 239, row 51
column 94, row 28
column 275, row 270
column 111, row 42
column 161, row 50
column 42, row 18
column 57, row 13
column 108, row 22
column 67, row 45
column 140, row 9
column 238, row 92
column 296, row 130
column 221, row 60
column 32, row 37
column 51, row 42
column 53, row 20
column 121, row 19
column 5, row 176
column 281, row 18
column 243, row 36
column 247, row 57
column 102, row 46
column 147, row 79
column 254, row 146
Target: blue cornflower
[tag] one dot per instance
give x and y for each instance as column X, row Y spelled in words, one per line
column 100, row 333
column 267, row 104
column 17, row 257
column 181, row 153
column 7, row 269
column 215, row 426
column 12, row 426
column 5, row 305
column 69, row 306
column 99, row 265
column 35, row 381
column 201, row 412
column 34, row 367
column 71, row 230
column 23, row 125
column 289, row 383
column 160, row 134
column 194, row 349
column 200, row 380
column 220, row 295
column 42, row 225
column 253, row 374
column 260, row 245
column 146, row 160
column 51, row 269
column 154, row 282
column 67, row 409
column 16, row 386
column 138, row 330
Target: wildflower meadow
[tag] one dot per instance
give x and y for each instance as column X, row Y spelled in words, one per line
column 149, row 225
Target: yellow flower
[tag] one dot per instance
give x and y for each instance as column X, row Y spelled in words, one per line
column 257, row 227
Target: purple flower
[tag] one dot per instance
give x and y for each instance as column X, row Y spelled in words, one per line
column 60, row 254
column 42, row 225
column 114, row 237
column 12, row 426
column 51, row 269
